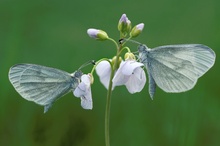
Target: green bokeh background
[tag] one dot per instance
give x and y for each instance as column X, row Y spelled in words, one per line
column 53, row 33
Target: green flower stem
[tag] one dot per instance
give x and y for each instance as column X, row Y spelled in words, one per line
column 125, row 48
column 114, row 42
column 109, row 93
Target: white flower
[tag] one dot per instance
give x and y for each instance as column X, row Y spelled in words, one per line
column 83, row 90
column 131, row 75
column 103, row 70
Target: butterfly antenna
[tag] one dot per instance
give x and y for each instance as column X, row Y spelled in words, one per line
column 87, row 63
column 138, row 58
column 121, row 41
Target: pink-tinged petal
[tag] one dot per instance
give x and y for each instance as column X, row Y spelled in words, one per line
column 128, row 22
column 140, row 26
column 97, row 34
column 123, row 18
column 136, row 81
column 137, row 30
column 124, row 25
column 92, row 32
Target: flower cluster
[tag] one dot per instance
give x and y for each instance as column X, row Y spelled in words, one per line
column 129, row 74
column 118, row 70
column 127, row 71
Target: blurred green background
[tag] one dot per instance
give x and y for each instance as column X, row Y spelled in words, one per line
column 53, row 33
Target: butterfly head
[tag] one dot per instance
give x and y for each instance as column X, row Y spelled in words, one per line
column 142, row 48
column 77, row 74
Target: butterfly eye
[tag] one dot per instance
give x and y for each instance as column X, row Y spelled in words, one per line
column 78, row 74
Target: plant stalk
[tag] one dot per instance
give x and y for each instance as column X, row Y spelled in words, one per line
column 108, row 101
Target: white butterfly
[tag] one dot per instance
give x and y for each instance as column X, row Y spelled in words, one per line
column 176, row 68
column 42, row 85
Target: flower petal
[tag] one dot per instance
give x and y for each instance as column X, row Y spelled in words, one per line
column 137, row 30
column 97, row 34
column 119, row 78
column 136, row 81
column 140, row 26
column 86, row 79
column 83, row 90
column 80, row 90
column 123, row 18
column 92, row 32
column 86, row 100
column 103, row 70
column 129, row 66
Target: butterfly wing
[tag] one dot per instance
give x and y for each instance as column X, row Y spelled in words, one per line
column 176, row 68
column 40, row 84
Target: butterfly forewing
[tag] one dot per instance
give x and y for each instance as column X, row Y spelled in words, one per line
column 176, row 68
column 201, row 56
column 41, row 84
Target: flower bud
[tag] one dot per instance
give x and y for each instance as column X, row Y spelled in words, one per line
column 124, row 25
column 137, row 30
column 118, row 63
column 97, row 34
column 129, row 56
